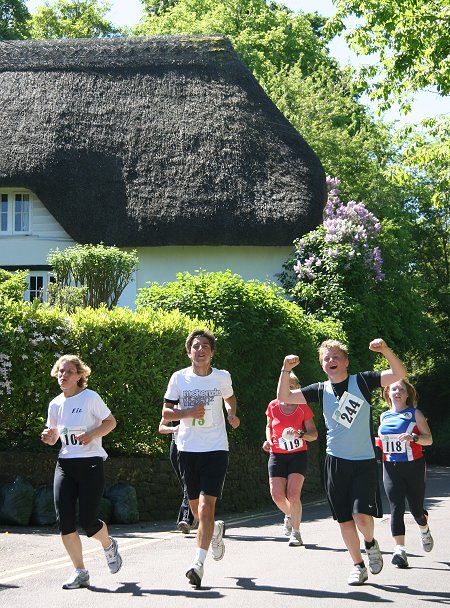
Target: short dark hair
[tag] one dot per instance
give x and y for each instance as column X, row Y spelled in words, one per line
column 205, row 333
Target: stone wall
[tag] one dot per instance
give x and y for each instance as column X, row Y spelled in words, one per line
column 157, row 489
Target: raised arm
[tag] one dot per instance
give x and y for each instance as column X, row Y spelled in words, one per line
column 397, row 370
column 284, row 393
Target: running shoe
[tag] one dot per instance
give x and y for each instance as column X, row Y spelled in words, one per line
column 399, row 558
column 195, row 574
column 217, row 544
column 375, row 558
column 79, row 578
column 427, row 541
column 295, row 539
column 358, row 575
column 113, row 557
column 184, row 526
column 287, row 525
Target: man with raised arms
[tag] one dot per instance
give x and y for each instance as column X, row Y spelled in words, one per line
column 351, row 472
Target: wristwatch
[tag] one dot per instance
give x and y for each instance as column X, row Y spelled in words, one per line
column 415, row 437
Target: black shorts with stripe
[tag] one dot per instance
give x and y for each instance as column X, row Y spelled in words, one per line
column 352, row 487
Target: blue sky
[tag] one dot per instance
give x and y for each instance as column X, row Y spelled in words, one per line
column 128, row 12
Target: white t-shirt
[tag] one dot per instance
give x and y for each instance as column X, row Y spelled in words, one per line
column 74, row 415
column 187, row 389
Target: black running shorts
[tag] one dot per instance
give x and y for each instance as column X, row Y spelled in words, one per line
column 352, row 487
column 203, row 472
column 282, row 465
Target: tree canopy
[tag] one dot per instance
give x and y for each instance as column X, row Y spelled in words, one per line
column 14, row 16
column 268, row 37
column 411, row 38
column 72, row 19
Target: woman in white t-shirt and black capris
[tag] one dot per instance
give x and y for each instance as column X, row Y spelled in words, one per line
column 79, row 418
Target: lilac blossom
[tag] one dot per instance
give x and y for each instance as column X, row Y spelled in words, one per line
column 349, row 231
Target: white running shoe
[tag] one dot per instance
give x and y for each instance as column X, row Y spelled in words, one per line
column 195, row 574
column 287, row 526
column 217, row 544
column 358, row 575
column 399, row 558
column 375, row 558
column 427, row 541
column 113, row 557
column 79, row 578
column 295, row 539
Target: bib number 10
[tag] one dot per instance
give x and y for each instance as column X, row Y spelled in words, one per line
column 69, row 436
column 70, row 439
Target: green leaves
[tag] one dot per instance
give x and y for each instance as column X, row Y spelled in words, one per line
column 14, row 16
column 412, row 39
column 72, row 19
column 103, row 272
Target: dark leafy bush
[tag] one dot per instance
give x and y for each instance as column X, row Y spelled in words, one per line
column 13, row 284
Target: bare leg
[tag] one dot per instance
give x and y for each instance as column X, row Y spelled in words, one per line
column 365, row 525
column 72, row 544
column 204, row 509
column 103, row 536
column 294, row 489
column 278, row 492
column 351, row 539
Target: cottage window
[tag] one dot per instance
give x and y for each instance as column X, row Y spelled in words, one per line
column 15, row 212
column 38, row 281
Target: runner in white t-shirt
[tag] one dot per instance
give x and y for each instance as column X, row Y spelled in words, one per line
column 79, row 418
column 196, row 397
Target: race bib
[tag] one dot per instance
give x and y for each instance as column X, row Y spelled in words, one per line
column 289, row 443
column 392, row 444
column 69, row 436
column 348, row 410
column 204, row 422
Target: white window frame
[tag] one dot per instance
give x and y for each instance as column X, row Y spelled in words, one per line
column 46, row 277
column 11, row 195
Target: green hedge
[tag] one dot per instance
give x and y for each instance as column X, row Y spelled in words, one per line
column 131, row 357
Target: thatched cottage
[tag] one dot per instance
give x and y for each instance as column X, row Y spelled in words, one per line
column 166, row 145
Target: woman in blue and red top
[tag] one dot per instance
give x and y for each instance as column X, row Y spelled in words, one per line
column 289, row 427
column 402, row 432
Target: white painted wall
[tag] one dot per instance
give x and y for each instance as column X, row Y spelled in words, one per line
column 159, row 264
column 32, row 249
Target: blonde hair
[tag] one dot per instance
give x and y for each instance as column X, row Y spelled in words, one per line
column 82, row 369
column 327, row 344
column 412, row 393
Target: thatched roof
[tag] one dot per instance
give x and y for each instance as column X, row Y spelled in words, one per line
column 154, row 141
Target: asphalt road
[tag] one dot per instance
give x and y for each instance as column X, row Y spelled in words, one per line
column 259, row 569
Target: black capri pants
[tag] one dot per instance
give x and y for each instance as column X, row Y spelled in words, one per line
column 82, row 479
column 405, row 481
